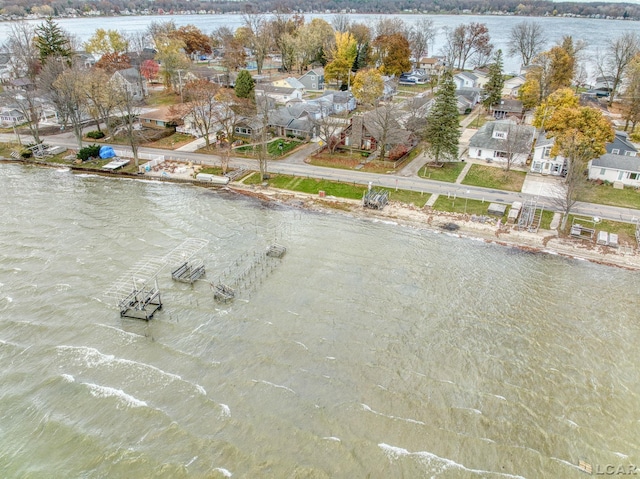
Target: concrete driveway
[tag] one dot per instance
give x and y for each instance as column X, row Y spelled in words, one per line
column 543, row 186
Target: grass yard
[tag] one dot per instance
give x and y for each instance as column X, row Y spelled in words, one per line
column 275, row 149
column 448, row 172
column 608, row 195
column 547, row 217
column 462, row 205
column 494, row 177
column 332, row 188
column 171, row 142
column 162, row 98
column 626, row 231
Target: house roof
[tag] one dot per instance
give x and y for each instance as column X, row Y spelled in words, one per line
column 295, row 83
column 467, row 75
column 429, row 61
column 164, row 113
column 483, row 138
column 618, row 162
column 543, row 141
column 621, row 142
column 132, row 75
column 514, row 81
column 277, row 90
column 469, row 94
column 509, row 106
column 314, row 71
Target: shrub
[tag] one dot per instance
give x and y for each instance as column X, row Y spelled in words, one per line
column 88, row 152
column 96, row 135
column 398, row 152
column 26, row 153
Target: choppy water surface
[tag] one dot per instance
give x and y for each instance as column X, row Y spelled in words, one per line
column 370, row 350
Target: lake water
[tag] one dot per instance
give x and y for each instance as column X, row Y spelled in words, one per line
column 369, row 350
column 594, row 32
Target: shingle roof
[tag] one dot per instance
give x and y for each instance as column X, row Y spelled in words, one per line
column 483, row 138
column 618, row 162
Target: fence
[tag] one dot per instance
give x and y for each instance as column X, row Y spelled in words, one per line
column 154, row 160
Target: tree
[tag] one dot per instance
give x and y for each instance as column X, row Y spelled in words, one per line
column 443, row 128
column 368, row 86
column 312, row 41
column 244, row 85
column 282, row 27
column 421, row 37
column 383, row 122
column 24, row 57
column 258, row 38
column 526, row 40
column 537, row 86
column 493, row 88
column 234, row 54
column 362, row 35
column 562, row 68
column 630, row 99
column 341, row 23
column 69, row 87
column 394, row 53
column 328, row 129
column 619, row 53
column 516, row 143
column 112, row 62
column 563, row 98
column 343, row 54
column 580, row 134
column 193, row 39
column 107, row 41
column 149, row 69
column 29, row 104
column 202, row 106
column 173, row 60
column 52, row 42
column 466, row 41
column 100, row 95
column 128, row 109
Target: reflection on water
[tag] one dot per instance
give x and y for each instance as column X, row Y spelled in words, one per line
column 370, row 349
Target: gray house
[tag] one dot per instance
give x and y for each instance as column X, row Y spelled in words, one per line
column 502, row 141
column 313, row 79
column 619, row 164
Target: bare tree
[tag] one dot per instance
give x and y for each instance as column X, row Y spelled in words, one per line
column 202, row 106
column 328, row 128
column 421, row 38
column 259, row 38
column 128, row 109
column 526, row 39
column 617, row 57
column 100, row 95
column 29, row 103
column 389, row 26
column 465, row 42
column 516, row 144
column 384, row 125
column 69, row 89
column 24, row 56
column 567, row 193
column 340, row 22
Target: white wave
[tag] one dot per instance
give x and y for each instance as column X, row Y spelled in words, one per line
column 274, row 385
column 442, row 463
column 499, row 397
column 62, row 170
column 470, row 409
column 224, row 471
column 332, row 438
column 331, row 358
column 106, row 391
column 620, row 455
column 9, row 299
column 409, row 420
column 191, row 461
column 68, row 378
column 226, row 410
column 91, row 357
column 292, row 312
column 201, row 390
column 129, row 336
column 299, row 343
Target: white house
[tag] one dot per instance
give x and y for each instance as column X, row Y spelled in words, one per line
column 620, row 163
column 512, row 86
column 502, row 141
column 465, row 80
column 279, row 94
column 12, row 117
column 543, row 162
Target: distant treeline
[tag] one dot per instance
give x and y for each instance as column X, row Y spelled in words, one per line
column 19, row 8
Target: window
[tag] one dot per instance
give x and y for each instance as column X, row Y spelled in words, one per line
column 629, row 153
column 546, row 152
column 602, row 171
column 500, row 134
column 634, row 176
column 615, row 151
column 500, row 154
column 555, row 168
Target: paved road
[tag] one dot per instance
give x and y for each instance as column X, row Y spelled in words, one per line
column 295, row 166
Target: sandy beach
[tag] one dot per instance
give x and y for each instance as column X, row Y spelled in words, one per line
column 544, row 241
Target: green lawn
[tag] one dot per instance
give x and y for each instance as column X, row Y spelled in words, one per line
column 626, row 231
column 448, row 172
column 333, row 188
column 608, row 195
column 276, row 148
column 162, row 98
column 462, row 205
column 547, row 217
column 494, row 177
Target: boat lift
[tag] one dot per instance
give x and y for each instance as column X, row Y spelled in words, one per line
column 136, row 293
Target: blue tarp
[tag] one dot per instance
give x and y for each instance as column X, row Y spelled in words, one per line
column 106, row 152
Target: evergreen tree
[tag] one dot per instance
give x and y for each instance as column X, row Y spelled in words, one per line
column 443, row 129
column 493, row 88
column 244, row 85
column 52, row 41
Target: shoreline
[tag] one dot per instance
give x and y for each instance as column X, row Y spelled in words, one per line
column 542, row 242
